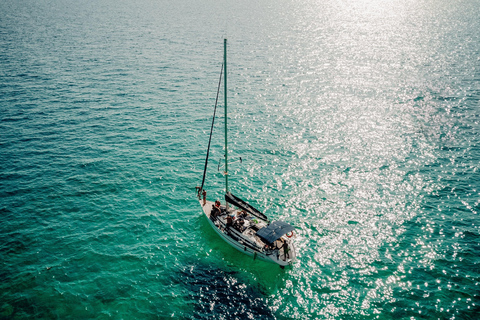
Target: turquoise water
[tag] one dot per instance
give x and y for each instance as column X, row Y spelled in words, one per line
column 358, row 122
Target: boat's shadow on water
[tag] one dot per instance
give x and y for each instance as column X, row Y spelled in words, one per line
column 221, row 294
column 226, row 284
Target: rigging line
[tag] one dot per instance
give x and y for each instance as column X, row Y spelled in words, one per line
column 211, row 131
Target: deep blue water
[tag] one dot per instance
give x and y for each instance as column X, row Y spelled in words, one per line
column 358, row 122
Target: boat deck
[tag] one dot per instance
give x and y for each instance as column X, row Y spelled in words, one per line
column 245, row 236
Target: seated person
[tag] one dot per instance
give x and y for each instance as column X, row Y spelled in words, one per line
column 239, row 224
column 216, row 211
column 242, row 214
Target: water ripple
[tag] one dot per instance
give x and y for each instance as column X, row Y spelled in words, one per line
column 357, row 122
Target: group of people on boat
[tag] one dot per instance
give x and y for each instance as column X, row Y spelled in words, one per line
column 238, row 222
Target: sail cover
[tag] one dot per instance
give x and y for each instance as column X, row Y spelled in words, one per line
column 274, row 231
column 230, row 198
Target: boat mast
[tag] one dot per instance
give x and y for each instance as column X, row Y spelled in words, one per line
column 225, row 97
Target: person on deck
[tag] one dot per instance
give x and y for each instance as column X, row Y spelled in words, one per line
column 229, row 221
column 242, row 214
column 239, row 224
column 215, row 210
column 286, row 250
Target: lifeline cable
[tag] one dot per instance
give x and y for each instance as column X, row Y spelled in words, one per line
column 211, row 131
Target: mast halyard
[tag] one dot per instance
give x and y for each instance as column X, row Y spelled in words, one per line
column 225, row 97
column 252, row 233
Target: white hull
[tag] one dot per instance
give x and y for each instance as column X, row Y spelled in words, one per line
column 246, row 241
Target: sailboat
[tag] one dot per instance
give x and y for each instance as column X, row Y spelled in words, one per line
column 237, row 222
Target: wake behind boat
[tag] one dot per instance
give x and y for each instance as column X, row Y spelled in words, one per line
column 237, row 222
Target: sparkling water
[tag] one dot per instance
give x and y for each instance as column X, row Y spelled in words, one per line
column 357, row 122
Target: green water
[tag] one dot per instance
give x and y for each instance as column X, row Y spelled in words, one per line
column 357, row 121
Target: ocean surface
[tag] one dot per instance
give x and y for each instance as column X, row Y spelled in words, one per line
column 357, row 121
